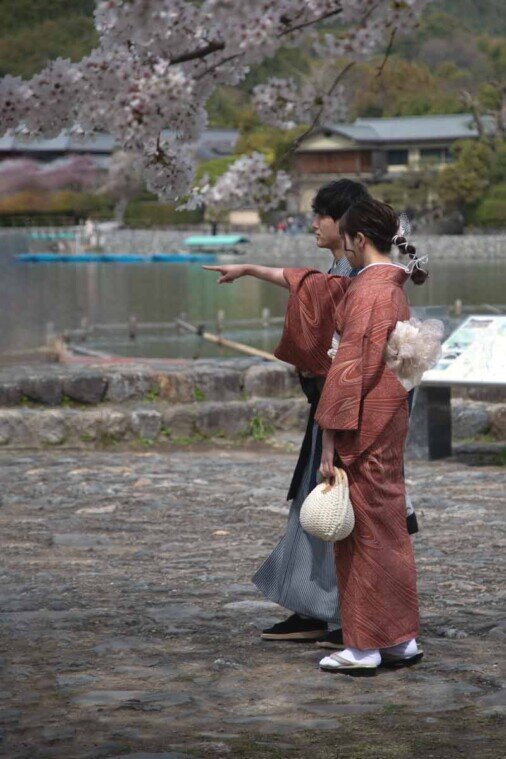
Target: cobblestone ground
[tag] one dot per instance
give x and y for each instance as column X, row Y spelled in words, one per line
column 130, row 625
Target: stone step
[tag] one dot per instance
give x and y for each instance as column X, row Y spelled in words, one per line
column 180, row 423
column 185, row 382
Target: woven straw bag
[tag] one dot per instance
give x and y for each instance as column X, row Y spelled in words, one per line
column 327, row 512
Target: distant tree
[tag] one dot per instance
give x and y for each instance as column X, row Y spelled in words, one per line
column 20, row 14
column 17, row 175
column 463, row 183
column 404, row 88
column 25, row 51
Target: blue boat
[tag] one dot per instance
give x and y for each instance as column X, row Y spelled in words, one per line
column 184, row 257
column 122, row 258
column 115, row 258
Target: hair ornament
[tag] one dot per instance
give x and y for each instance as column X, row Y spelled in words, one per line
column 415, row 266
column 400, row 239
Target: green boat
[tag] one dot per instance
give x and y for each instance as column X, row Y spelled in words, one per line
column 216, row 243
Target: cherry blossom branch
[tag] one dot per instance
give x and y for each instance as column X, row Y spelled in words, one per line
column 316, row 119
column 311, row 22
column 387, row 52
column 212, row 47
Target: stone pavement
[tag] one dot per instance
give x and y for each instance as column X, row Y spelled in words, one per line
column 130, row 625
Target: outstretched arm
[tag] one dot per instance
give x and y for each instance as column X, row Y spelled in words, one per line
column 231, row 272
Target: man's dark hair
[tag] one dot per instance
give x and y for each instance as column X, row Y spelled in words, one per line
column 335, row 198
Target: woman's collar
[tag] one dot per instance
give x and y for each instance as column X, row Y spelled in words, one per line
column 383, row 263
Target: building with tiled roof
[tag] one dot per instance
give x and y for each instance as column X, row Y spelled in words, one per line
column 378, row 149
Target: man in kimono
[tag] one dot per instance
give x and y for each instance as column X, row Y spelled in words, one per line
column 300, row 573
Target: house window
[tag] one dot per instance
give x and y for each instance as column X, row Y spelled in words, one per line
column 397, row 157
column 432, row 155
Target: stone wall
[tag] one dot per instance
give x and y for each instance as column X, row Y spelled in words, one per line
column 83, row 406
column 176, row 402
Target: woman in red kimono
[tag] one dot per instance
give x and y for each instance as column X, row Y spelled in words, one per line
column 363, row 412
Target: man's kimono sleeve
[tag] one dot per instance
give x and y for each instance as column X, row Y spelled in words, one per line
column 353, row 400
column 309, row 321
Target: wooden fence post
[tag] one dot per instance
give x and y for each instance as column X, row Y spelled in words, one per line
column 220, row 321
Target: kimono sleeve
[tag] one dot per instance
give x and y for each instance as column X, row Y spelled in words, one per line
column 309, row 320
column 353, row 364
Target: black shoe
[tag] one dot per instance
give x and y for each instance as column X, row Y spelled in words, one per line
column 296, row 628
column 333, row 639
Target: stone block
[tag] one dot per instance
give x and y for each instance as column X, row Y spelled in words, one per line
column 19, row 421
column 48, row 427
column 98, row 425
column 10, row 394
column 127, row 386
column 46, row 390
column 176, row 387
column 7, row 426
column 146, row 423
column 180, row 422
column 84, row 425
column 230, row 419
column 271, row 380
column 217, row 384
column 113, row 424
column 85, row 388
column 469, row 419
column 284, row 414
column 498, row 421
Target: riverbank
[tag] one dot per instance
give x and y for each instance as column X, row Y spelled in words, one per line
column 131, row 624
column 272, row 248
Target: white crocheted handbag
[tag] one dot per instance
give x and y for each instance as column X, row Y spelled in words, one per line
column 327, row 512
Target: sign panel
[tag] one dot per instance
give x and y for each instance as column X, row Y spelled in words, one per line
column 474, row 354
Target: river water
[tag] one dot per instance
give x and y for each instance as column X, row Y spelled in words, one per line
column 472, row 268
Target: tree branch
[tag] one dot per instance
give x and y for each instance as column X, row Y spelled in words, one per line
column 312, row 22
column 216, row 45
column 203, row 52
column 316, row 119
column 470, row 102
column 387, row 52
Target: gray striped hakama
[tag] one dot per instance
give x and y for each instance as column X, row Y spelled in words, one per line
column 300, row 574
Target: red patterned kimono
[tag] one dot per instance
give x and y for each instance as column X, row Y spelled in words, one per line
column 365, row 403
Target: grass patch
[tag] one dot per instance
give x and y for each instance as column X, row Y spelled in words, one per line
column 146, row 442
column 199, row 394
column 188, row 439
column 258, row 429
column 152, row 395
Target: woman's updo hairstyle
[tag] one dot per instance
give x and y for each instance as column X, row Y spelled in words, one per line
column 379, row 223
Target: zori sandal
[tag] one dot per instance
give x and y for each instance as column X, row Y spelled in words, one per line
column 393, row 661
column 337, row 663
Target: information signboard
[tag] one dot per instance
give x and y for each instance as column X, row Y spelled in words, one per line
column 475, row 354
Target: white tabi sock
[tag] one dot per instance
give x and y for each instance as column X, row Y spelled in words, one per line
column 406, row 649
column 365, row 656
